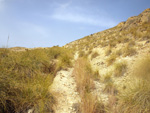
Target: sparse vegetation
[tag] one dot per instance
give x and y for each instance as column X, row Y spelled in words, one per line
column 119, row 69
column 81, row 53
column 94, row 55
column 111, row 59
column 109, row 84
column 129, row 51
column 107, row 77
column 108, row 51
column 96, row 75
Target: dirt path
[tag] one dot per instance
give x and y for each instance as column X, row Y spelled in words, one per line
column 65, row 87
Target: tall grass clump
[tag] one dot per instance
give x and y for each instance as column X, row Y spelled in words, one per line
column 119, row 69
column 25, row 78
column 136, row 97
column 84, row 78
column 83, row 75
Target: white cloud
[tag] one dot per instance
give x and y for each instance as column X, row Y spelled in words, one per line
column 67, row 12
column 78, row 18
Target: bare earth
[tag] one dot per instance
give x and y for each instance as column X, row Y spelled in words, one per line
column 64, row 87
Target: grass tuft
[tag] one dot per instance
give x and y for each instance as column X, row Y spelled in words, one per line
column 119, row 69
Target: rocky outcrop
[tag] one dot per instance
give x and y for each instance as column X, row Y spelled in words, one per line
column 135, row 21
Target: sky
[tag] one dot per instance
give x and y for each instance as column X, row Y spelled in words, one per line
column 47, row 23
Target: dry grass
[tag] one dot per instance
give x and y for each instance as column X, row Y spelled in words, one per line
column 84, row 79
column 128, row 50
column 136, row 98
column 111, row 59
column 94, row 55
column 88, row 104
column 109, row 84
column 96, row 75
column 25, row 78
column 83, row 75
column 119, row 69
column 142, row 67
column 119, row 52
column 108, row 51
column 107, row 77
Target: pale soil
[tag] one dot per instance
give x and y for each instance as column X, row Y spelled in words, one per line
column 64, row 87
column 64, row 84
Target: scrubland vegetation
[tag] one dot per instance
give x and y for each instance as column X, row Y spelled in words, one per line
column 136, row 98
column 26, row 76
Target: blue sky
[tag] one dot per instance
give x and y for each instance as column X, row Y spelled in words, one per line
column 45, row 23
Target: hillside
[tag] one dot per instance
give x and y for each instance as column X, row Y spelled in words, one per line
column 105, row 72
column 116, row 55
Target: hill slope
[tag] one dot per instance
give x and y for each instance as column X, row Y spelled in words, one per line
column 118, row 56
